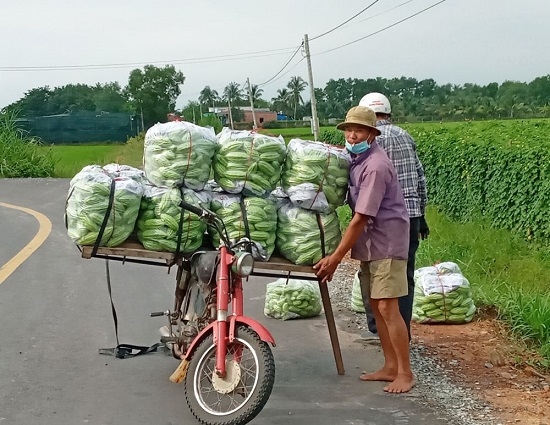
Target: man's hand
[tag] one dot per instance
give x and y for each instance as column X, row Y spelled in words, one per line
column 423, row 230
column 326, row 268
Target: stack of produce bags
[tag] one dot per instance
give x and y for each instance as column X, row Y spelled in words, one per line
column 247, row 162
column 102, row 202
column 315, row 175
column 255, row 214
column 164, row 226
column 292, row 299
column 442, row 295
column 179, row 153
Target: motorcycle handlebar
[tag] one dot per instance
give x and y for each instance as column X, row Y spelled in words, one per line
column 210, row 217
column 192, row 208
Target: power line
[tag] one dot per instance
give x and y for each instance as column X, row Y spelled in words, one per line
column 236, row 56
column 345, row 22
column 284, row 66
column 273, row 79
column 290, row 69
column 383, row 29
column 385, row 11
column 197, row 60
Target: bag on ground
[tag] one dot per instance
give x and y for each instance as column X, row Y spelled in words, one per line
column 442, row 295
column 357, row 304
column 292, row 299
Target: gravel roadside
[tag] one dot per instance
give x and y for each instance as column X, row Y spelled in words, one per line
column 457, row 405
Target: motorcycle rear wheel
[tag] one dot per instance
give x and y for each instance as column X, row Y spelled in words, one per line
column 239, row 397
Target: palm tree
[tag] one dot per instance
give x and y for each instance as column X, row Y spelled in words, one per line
column 231, row 94
column 208, row 96
column 281, row 101
column 256, row 92
column 544, row 110
column 296, row 86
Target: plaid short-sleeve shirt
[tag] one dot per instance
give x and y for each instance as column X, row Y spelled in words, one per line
column 401, row 149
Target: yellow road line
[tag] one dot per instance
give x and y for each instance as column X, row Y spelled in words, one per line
column 43, row 232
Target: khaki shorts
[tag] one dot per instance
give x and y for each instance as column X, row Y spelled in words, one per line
column 383, row 279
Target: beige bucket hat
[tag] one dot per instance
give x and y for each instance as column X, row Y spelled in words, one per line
column 360, row 115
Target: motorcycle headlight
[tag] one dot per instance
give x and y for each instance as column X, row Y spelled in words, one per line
column 243, row 264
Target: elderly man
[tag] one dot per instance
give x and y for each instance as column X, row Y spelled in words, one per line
column 401, row 149
column 377, row 236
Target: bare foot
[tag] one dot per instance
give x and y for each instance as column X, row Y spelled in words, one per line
column 384, row 374
column 401, row 384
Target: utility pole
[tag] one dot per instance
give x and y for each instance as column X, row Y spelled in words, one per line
column 141, row 108
column 312, row 88
column 230, row 113
column 251, row 104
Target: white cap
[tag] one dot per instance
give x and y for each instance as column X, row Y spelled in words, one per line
column 377, row 102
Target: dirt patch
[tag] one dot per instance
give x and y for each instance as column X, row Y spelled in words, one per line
column 481, row 355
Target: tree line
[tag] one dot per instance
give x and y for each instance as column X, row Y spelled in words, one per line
column 152, row 93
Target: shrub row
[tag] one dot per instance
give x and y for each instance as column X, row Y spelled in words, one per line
column 499, row 170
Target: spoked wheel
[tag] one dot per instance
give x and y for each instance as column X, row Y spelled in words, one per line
column 241, row 395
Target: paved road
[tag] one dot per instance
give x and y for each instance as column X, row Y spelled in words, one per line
column 55, row 315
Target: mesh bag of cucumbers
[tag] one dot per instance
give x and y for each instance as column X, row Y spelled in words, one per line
column 94, row 195
column 305, row 236
column 252, row 217
column 163, row 225
column 357, row 303
column 442, row 295
column 121, row 170
column 248, row 163
column 315, row 175
column 178, row 153
column 292, row 299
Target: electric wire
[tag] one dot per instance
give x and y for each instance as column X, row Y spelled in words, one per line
column 385, row 11
column 345, row 22
column 206, row 59
column 383, row 29
column 284, row 66
column 290, row 69
column 236, row 56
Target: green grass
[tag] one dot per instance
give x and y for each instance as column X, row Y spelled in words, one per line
column 290, row 133
column 504, row 272
column 70, row 159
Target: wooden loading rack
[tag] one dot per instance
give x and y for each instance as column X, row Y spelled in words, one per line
column 133, row 252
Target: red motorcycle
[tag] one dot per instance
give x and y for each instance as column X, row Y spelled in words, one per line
column 226, row 365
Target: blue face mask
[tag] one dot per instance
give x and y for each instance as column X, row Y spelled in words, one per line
column 358, row 147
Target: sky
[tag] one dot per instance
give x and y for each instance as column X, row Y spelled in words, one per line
column 216, row 42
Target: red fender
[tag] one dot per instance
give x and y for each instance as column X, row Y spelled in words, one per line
column 260, row 329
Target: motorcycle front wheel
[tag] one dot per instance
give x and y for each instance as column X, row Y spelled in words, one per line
column 241, row 395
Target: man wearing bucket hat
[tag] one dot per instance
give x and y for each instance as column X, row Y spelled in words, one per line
column 377, row 236
column 401, row 149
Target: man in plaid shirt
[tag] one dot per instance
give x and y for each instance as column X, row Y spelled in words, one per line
column 401, row 149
